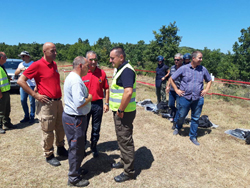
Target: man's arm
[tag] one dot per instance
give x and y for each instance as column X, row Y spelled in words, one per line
column 106, row 107
column 22, row 82
column 163, row 78
column 178, row 91
column 168, row 86
column 204, row 91
column 87, row 100
column 125, row 100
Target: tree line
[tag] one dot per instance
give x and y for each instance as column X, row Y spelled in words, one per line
column 166, row 42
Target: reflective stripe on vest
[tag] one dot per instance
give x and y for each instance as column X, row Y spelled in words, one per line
column 116, row 93
column 4, row 81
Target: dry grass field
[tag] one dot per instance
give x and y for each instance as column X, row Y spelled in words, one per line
column 161, row 159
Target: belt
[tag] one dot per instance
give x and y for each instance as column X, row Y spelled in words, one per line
column 55, row 99
column 75, row 115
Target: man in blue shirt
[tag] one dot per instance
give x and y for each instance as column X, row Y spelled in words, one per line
column 191, row 93
column 77, row 106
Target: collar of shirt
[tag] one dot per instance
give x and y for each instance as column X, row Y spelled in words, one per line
column 47, row 63
column 124, row 63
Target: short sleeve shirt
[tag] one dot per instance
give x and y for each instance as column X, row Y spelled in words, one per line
column 46, row 76
column 96, row 82
column 192, row 80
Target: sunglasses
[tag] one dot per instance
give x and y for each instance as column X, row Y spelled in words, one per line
column 176, row 59
column 93, row 59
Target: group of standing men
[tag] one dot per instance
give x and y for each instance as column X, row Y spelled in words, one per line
column 84, row 89
column 185, row 88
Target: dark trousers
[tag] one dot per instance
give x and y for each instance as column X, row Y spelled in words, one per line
column 124, row 132
column 96, row 112
column 5, row 109
column 75, row 128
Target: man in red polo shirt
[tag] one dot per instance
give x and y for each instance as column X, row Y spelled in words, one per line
column 97, row 83
column 49, row 104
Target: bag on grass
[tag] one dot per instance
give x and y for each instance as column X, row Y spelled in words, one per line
column 204, row 122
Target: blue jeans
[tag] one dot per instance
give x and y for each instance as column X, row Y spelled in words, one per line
column 174, row 98
column 196, row 108
column 24, row 97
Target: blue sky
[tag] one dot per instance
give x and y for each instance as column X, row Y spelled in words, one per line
column 214, row 24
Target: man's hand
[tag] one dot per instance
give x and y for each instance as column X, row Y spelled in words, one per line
column 167, row 89
column 120, row 114
column 180, row 92
column 204, row 92
column 163, row 78
column 42, row 98
column 105, row 108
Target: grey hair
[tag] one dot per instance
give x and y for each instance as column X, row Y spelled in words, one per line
column 90, row 52
column 78, row 60
column 179, row 55
column 194, row 54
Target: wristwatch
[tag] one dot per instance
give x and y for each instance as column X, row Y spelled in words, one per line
column 120, row 111
column 107, row 104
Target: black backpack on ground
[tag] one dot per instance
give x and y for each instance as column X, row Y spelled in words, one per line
column 204, row 122
column 162, row 106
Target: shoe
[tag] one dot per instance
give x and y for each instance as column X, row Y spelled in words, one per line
column 8, row 126
column 62, row 152
column 122, row 177
column 176, row 131
column 81, row 183
column 117, row 165
column 94, row 149
column 2, row 131
column 25, row 119
column 194, row 140
column 53, row 161
column 31, row 121
column 173, row 127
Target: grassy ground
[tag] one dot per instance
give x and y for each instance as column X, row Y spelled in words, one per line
column 161, row 159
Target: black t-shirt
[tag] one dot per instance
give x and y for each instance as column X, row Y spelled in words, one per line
column 127, row 77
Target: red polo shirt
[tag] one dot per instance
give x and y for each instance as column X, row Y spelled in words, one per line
column 46, row 76
column 96, row 81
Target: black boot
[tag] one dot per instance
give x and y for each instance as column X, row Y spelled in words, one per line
column 173, row 127
column 62, row 152
column 94, row 149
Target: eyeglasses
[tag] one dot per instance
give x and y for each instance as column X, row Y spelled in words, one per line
column 92, row 59
column 176, row 59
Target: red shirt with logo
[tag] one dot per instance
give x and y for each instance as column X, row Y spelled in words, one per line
column 96, row 81
column 46, row 76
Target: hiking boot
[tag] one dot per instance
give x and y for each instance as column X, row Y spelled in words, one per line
column 194, row 140
column 81, row 183
column 122, row 177
column 176, row 131
column 94, row 149
column 2, row 131
column 62, row 152
column 8, row 126
column 25, row 119
column 52, row 160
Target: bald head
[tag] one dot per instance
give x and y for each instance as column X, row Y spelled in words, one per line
column 3, row 58
column 49, row 51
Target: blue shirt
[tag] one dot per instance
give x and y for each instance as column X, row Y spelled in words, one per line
column 161, row 71
column 192, row 80
column 75, row 93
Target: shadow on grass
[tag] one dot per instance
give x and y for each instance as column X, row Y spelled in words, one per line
column 143, row 160
column 200, row 132
column 102, row 164
column 26, row 124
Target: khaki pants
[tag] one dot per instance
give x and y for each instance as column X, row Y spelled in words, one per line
column 124, row 133
column 50, row 118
